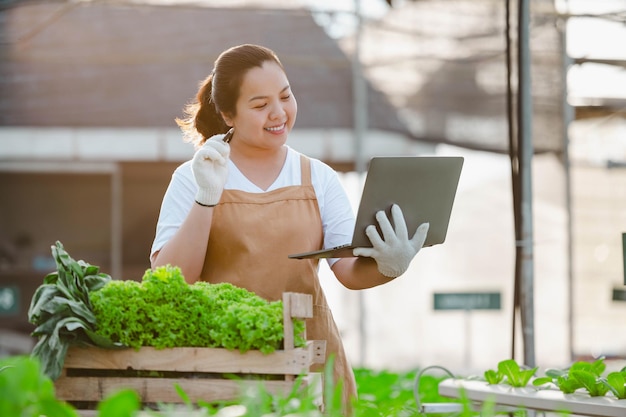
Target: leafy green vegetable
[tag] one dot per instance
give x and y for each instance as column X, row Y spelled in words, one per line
column 164, row 311
column 79, row 305
column 493, row 377
column 509, row 372
column 591, row 382
column 580, row 375
column 616, row 382
column 62, row 312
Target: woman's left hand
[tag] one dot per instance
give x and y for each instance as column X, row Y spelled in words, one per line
column 394, row 251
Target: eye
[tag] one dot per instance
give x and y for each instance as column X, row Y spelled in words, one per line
column 287, row 97
column 260, row 106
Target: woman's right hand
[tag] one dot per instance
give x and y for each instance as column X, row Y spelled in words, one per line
column 210, row 168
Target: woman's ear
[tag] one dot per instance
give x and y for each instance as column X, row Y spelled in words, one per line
column 227, row 119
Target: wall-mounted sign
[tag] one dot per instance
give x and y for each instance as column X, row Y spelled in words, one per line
column 9, row 300
column 619, row 295
column 467, row 301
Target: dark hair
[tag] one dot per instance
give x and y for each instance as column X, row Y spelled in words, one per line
column 219, row 92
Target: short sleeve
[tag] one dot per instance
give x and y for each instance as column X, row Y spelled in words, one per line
column 175, row 206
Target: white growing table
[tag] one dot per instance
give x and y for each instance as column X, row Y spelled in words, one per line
column 533, row 398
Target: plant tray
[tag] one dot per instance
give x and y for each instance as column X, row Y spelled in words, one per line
column 533, row 398
column 204, row 374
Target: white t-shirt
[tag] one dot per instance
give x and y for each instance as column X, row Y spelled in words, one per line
column 336, row 212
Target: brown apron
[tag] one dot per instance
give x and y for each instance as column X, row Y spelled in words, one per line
column 251, row 236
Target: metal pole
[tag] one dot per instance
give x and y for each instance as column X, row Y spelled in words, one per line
column 568, row 116
column 359, row 106
column 359, row 92
column 526, row 153
column 514, row 157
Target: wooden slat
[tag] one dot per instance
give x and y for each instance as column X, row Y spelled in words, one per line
column 295, row 306
column 318, row 351
column 301, row 305
column 214, row 360
column 288, row 337
column 155, row 390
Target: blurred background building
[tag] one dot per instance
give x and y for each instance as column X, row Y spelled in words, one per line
column 89, row 91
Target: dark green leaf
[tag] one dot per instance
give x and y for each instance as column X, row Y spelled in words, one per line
column 51, row 278
column 52, row 360
column 96, row 281
column 555, row 373
column 42, row 296
column 57, row 306
column 80, row 310
column 102, row 341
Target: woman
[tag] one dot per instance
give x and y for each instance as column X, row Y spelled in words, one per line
column 246, row 200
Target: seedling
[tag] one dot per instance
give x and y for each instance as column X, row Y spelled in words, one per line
column 584, row 375
column 616, row 382
column 591, row 382
column 509, row 372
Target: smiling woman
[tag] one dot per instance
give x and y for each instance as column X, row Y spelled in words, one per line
column 240, row 206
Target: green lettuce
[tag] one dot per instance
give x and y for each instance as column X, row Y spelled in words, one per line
column 163, row 311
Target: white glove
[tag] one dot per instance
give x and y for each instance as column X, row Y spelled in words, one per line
column 393, row 254
column 210, row 168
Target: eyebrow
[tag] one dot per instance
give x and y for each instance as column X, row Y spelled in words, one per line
column 262, row 97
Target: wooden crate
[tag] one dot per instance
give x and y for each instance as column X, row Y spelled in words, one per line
column 203, row 373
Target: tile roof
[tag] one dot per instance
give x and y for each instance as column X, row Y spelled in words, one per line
column 113, row 64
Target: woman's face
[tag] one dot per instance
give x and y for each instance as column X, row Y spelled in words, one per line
column 266, row 108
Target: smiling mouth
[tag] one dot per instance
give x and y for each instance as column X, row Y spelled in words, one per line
column 276, row 128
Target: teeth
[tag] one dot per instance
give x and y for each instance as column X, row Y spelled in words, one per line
column 275, row 129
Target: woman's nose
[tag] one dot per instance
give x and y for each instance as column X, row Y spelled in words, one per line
column 277, row 110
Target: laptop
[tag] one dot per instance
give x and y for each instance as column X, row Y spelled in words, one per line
column 423, row 186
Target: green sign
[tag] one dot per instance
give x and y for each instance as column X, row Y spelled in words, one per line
column 9, row 300
column 467, row 301
column 619, row 295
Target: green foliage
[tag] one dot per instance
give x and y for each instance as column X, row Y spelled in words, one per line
column 25, row 391
column 61, row 310
column 493, row 377
column 591, row 382
column 386, row 393
column 616, row 382
column 509, row 372
column 164, row 311
column 581, row 375
column 77, row 304
column 122, row 403
column 302, row 400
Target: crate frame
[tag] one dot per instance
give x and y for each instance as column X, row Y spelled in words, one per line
column 202, row 373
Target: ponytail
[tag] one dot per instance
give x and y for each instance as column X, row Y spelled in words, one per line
column 202, row 119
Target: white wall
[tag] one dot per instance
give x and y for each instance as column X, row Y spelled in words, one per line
column 404, row 331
